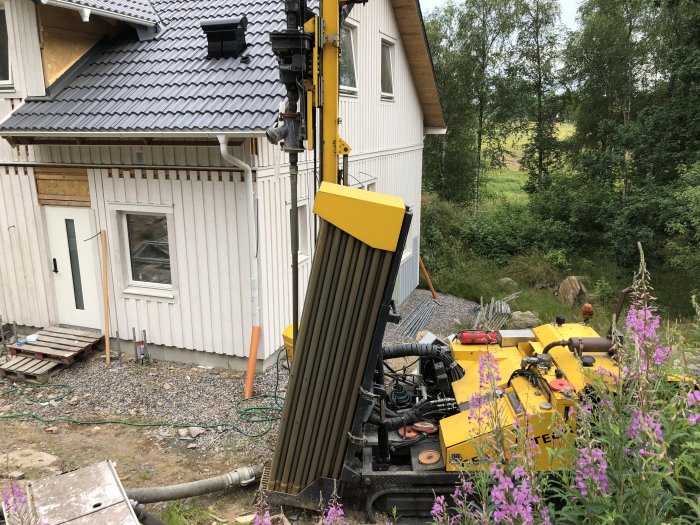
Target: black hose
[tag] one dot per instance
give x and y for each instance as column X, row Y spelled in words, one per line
column 145, row 517
column 554, row 344
column 420, row 412
column 442, row 353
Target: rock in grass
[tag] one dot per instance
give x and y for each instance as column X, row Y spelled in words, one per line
column 572, row 291
column 195, row 431
column 521, row 320
column 507, row 282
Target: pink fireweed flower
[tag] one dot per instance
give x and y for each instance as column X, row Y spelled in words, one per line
column 643, row 324
column 263, row 519
column 693, row 402
column 516, row 497
column 591, row 474
column 439, row 511
column 335, row 515
column 645, row 430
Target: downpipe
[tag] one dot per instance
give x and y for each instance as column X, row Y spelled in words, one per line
column 238, row 478
column 253, row 249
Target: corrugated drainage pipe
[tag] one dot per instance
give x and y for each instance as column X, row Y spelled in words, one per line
column 239, row 477
column 252, row 239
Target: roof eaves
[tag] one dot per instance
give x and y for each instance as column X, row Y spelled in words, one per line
column 101, row 12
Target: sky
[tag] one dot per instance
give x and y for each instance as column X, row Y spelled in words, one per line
column 568, row 10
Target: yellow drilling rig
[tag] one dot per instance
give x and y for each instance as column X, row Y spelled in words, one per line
column 350, row 422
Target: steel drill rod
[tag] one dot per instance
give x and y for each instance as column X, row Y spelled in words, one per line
column 313, row 369
column 358, row 363
column 348, row 412
column 317, row 271
column 360, row 318
column 330, row 403
column 310, row 351
column 324, row 364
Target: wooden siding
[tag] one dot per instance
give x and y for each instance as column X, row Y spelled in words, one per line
column 210, row 308
column 26, row 291
column 25, row 54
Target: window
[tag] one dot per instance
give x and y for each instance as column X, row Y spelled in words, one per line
column 372, row 186
column 387, row 70
column 303, row 223
column 5, row 76
column 348, row 73
column 149, row 251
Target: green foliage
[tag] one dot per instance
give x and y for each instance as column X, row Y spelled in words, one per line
column 603, row 288
column 184, row 513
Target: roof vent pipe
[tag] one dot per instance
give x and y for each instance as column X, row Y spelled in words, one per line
column 225, row 36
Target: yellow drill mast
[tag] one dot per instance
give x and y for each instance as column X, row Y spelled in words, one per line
column 308, row 53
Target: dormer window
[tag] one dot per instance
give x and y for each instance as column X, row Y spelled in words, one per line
column 5, row 72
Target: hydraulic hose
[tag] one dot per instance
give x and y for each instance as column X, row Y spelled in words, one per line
column 442, row 353
column 418, row 413
column 554, row 344
column 145, row 517
column 239, row 477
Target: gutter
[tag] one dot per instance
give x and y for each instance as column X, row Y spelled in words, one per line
column 85, row 13
column 127, row 134
column 253, row 250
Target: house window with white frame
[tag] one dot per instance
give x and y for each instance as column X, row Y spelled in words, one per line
column 5, row 71
column 387, row 72
column 348, row 72
column 303, row 218
column 149, row 249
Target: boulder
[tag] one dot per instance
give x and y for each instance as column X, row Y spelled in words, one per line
column 520, row 320
column 572, row 291
column 507, row 282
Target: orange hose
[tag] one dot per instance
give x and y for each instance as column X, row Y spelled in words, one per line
column 427, row 278
column 252, row 361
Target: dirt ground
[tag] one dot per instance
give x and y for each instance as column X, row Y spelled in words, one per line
column 141, row 460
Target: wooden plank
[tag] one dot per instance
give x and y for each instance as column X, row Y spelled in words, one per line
column 53, row 202
column 45, row 350
column 61, row 344
column 66, row 339
column 93, row 336
column 30, row 370
column 60, row 333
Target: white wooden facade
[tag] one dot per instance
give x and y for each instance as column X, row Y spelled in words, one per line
column 204, row 200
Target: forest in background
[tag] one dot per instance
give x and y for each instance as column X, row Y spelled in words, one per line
column 596, row 130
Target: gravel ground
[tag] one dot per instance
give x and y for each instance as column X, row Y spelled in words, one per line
column 447, row 318
column 177, row 393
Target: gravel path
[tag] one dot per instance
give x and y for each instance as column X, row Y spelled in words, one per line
column 447, row 318
column 177, row 393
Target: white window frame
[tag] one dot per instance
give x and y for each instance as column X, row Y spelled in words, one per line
column 7, row 85
column 303, row 221
column 389, row 97
column 352, row 30
column 122, row 259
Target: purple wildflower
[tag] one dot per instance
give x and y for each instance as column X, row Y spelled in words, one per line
column 693, row 401
column 335, row 515
column 591, row 472
column 643, row 324
column 515, row 496
column 263, row 519
column 439, row 511
column 645, row 430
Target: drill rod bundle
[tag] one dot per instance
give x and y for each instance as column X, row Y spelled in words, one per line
column 341, row 313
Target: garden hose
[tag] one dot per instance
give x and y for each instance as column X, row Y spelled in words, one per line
column 249, row 410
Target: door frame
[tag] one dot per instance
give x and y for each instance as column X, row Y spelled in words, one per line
column 95, row 247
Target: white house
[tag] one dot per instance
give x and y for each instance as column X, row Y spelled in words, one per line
column 112, row 120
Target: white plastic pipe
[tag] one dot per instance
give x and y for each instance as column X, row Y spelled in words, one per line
column 253, row 240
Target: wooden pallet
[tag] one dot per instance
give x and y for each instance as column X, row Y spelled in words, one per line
column 60, row 345
column 30, row 370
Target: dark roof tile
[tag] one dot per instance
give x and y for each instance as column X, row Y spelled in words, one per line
column 168, row 84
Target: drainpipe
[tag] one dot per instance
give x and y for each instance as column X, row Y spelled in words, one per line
column 253, row 241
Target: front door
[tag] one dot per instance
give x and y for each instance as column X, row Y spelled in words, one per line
column 74, row 265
